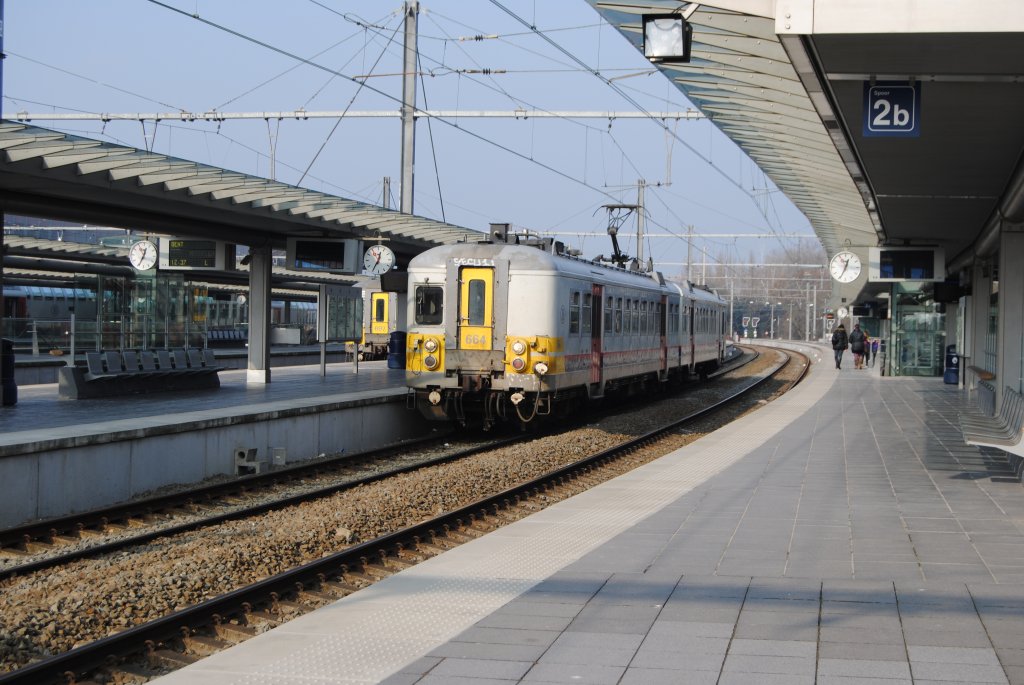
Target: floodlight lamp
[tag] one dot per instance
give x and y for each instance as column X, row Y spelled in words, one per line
column 667, row 38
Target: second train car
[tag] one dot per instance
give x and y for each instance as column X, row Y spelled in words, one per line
column 515, row 330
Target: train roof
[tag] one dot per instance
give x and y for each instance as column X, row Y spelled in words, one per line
column 531, row 258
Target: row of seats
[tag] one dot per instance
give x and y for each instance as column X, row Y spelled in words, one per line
column 129, row 363
column 227, row 336
column 1004, row 430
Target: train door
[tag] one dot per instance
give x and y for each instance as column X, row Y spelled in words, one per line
column 663, row 333
column 596, row 333
column 476, row 308
column 379, row 313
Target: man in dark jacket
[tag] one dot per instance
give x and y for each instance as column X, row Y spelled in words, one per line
column 839, row 344
column 857, row 342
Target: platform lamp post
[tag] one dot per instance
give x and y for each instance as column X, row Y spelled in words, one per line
column 771, row 324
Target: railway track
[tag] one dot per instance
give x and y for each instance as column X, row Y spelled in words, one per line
column 145, row 520
column 38, row 546
column 184, row 636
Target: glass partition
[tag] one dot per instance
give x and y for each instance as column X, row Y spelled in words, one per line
column 918, row 332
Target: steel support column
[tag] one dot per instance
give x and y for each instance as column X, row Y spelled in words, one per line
column 259, row 315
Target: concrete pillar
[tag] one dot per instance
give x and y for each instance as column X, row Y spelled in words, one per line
column 976, row 325
column 1011, row 308
column 259, row 315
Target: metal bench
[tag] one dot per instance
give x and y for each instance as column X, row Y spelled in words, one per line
column 1004, row 431
column 114, row 372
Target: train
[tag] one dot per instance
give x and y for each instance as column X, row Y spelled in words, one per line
column 383, row 314
column 514, row 329
column 216, row 309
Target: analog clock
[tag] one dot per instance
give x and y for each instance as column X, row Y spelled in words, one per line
column 143, row 255
column 845, row 266
column 378, row 259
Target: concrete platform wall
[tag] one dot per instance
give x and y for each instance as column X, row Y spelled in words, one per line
column 77, row 475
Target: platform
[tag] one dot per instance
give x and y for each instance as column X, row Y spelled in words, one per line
column 841, row 534
column 61, row 456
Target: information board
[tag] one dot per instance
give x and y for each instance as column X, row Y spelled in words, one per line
column 339, row 313
column 190, row 254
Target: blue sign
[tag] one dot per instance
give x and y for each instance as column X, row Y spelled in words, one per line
column 892, row 108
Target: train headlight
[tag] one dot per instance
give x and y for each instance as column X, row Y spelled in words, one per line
column 540, row 368
column 518, row 347
column 430, row 361
column 430, row 345
column 519, row 364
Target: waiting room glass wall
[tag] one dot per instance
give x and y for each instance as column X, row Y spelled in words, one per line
column 147, row 311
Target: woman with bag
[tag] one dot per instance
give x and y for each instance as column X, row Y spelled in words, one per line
column 857, row 344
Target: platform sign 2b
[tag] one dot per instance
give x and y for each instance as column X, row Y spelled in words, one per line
column 892, row 108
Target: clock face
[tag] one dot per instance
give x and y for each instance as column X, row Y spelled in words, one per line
column 143, row 255
column 378, row 259
column 845, row 267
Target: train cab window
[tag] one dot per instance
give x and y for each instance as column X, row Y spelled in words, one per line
column 574, row 312
column 429, row 304
column 477, row 302
column 378, row 310
column 586, row 314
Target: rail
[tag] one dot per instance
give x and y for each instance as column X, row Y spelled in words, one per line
column 269, row 592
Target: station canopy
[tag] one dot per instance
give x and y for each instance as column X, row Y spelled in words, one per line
column 54, row 175
column 789, row 83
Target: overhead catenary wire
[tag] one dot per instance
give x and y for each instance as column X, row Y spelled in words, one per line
column 433, row 149
column 620, row 91
column 321, row 67
column 337, row 123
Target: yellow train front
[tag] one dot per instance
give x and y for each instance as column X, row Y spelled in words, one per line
column 508, row 331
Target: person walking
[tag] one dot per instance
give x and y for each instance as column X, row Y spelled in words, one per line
column 857, row 341
column 867, row 349
column 839, row 344
column 874, row 352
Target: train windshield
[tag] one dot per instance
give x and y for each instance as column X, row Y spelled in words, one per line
column 429, row 304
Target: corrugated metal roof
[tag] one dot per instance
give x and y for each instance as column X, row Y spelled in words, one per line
column 135, row 175
column 741, row 77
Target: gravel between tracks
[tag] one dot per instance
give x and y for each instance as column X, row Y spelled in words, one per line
column 52, row 611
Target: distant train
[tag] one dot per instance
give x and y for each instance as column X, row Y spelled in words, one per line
column 383, row 314
column 508, row 332
column 47, row 303
column 215, row 309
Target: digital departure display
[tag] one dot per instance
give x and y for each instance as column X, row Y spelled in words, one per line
column 192, row 254
column 895, row 264
column 335, row 255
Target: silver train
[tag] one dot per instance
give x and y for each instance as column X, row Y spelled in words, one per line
column 511, row 332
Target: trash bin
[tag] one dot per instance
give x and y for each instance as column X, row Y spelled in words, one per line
column 396, row 350
column 10, row 388
column 952, row 367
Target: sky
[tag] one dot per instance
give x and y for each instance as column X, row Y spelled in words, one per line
column 548, row 175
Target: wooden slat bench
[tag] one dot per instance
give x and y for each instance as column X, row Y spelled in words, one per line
column 126, row 372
